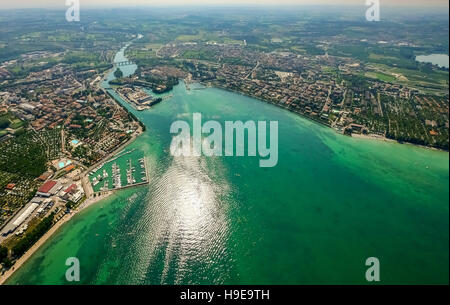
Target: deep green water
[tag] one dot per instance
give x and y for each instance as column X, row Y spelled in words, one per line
column 332, row 202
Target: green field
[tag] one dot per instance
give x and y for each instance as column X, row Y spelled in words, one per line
column 426, row 80
column 10, row 121
column 381, row 76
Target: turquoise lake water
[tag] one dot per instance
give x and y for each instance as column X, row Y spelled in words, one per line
column 330, row 203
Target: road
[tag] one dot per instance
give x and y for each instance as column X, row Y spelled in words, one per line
column 254, row 69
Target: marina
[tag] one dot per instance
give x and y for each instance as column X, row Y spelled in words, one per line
column 128, row 169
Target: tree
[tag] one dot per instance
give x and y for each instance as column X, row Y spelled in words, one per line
column 32, row 237
column 118, row 73
column 7, row 263
column 3, row 253
column 4, row 123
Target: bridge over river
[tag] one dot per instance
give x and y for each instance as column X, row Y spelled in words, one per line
column 124, row 63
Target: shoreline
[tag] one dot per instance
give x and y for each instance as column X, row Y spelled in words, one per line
column 373, row 137
column 24, row 258
column 354, row 135
column 91, row 200
column 87, row 203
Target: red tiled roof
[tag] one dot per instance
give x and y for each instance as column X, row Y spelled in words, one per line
column 70, row 188
column 69, row 168
column 47, row 186
column 10, row 186
column 44, row 176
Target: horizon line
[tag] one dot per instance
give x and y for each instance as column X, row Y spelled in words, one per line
column 280, row 5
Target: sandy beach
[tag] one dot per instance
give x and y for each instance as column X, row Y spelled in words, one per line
column 384, row 139
column 372, row 137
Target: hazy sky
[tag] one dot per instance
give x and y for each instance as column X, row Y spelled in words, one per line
column 112, row 3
